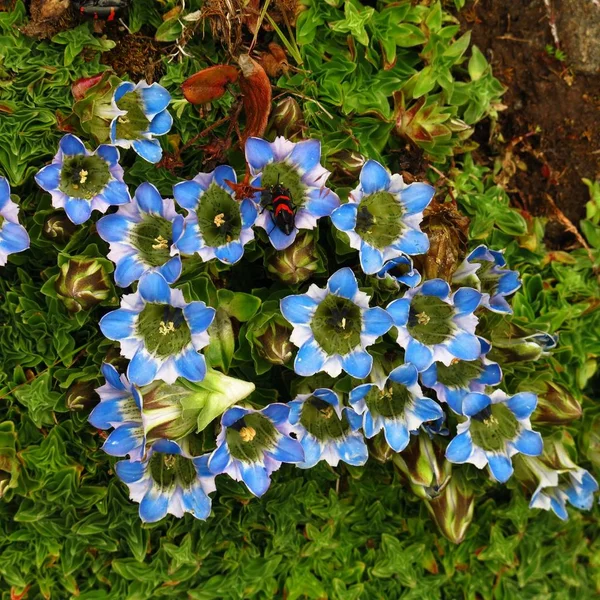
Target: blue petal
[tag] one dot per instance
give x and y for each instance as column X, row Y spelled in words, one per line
column 78, row 211
column 279, row 240
column 113, row 228
column 277, row 412
column 129, row 269
column 359, row 392
column 191, row 365
column 455, row 398
column 353, row 450
column 427, row 410
column 310, row 359
column 491, row 375
column 118, row 324
column 436, row 287
column 249, row 213
column 460, row 448
column 155, row 98
column 5, row 191
column 105, row 413
column 529, row 443
column 130, row 471
column 255, row 477
column 416, row 197
column 124, row 88
column 187, row 194
column 13, row 238
column 116, row 193
column 509, row 283
column 474, row 403
column 171, row 270
column 48, row 178
column 161, row 123
column 371, row 259
column 312, row 451
column 374, row 177
column 149, row 150
column 153, row 506
column 399, row 311
column 429, row 376
column 177, row 227
column 499, row 304
column 230, row 253
column 219, row 459
column 396, row 434
column 298, row 310
column 559, row 508
column 167, row 447
column 500, row 466
column 478, row 253
column 154, row 288
column 358, row 363
column 143, row 368
column 466, row 300
column 196, row 502
column 413, row 242
column 223, row 172
column 233, row 415
column 327, row 395
column 109, row 153
column 404, row 374
column 376, row 321
column 287, row 451
column 306, row 155
column 522, row 405
column 123, row 440
column 112, row 376
column 149, row 199
column 419, row 355
column 190, row 241
column 201, row 464
column 198, row 316
column 258, row 153
column 356, row 420
column 71, row 145
column 321, row 202
column 343, row 283
column 344, row 217
column 464, row 345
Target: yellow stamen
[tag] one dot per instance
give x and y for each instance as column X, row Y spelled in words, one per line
column 124, row 120
column 169, row 461
column 161, row 243
column 455, row 361
column 491, row 421
column 219, row 219
column 327, row 412
column 75, row 186
column 423, row 318
column 83, row 175
column 343, row 322
column 165, row 328
column 247, row 434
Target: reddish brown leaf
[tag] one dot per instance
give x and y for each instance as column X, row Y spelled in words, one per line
column 81, row 86
column 256, row 91
column 209, row 84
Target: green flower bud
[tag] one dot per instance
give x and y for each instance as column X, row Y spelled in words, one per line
column 82, row 283
column 287, row 118
column 81, row 395
column 298, row 262
column 512, row 343
column 452, row 510
column 58, row 228
column 379, row 449
column 556, row 406
column 591, row 441
column 345, row 166
column 424, row 466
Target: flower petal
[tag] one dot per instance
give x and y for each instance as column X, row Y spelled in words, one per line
column 310, row 359
column 344, row 217
column 413, row 242
column 116, row 193
column 48, row 178
column 464, row 345
column 187, row 194
column 279, row 240
column 154, row 505
column 475, row 402
column 143, row 368
column 500, row 467
column 371, row 259
column 396, row 434
column 298, row 310
column 161, row 123
column 109, row 153
column 155, row 98
column 219, row 459
column 258, row 153
column 416, row 197
column 459, row 450
column 436, row 287
column 419, row 355
column 129, row 269
column 13, row 238
column 529, row 443
column 306, row 155
column 191, row 365
column 230, row 253
column 198, row 316
column 71, row 145
column 118, row 324
column 399, row 311
column 353, row 450
column 149, row 150
column 427, row 410
column 130, row 471
column 322, row 202
column 313, row 450
column 376, row 321
column 196, row 502
column 171, row 270
column 78, row 210
column 374, row 177
column 358, row 363
column 287, row 450
column 343, row 283
column 149, row 199
column 223, row 172
column 522, row 405
column 124, row 439
column 466, row 300
column 113, row 228
column 405, row 374
column 154, row 288
column 255, row 477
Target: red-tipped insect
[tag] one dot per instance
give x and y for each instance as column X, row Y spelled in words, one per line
column 276, row 198
column 106, row 10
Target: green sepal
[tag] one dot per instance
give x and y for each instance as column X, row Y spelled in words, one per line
column 219, row 352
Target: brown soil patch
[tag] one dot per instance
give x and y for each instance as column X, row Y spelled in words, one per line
column 136, row 55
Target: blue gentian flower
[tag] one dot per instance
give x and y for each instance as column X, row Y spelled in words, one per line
column 333, row 326
column 81, row 181
column 217, row 225
column 436, row 326
column 120, row 408
column 160, row 332
column 397, row 405
column 484, row 270
column 382, row 217
column 254, row 443
column 140, row 114
column 453, row 382
column 13, row 236
column 297, row 168
column 496, row 428
column 168, row 480
column 401, row 270
column 324, row 430
column 141, row 237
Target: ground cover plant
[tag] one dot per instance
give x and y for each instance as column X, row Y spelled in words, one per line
column 274, row 322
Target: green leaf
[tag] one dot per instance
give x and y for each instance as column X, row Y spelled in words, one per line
column 169, row 31
column 478, row 64
column 238, row 305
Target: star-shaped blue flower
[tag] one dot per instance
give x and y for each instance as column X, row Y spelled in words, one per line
column 217, row 225
column 160, row 332
column 382, row 217
column 297, row 168
column 401, row 270
column 81, row 181
column 13, row 236
column 334, row 326
column 141, row 237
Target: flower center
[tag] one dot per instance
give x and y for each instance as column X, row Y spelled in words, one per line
column 379, row 219
column 134, row 123
column 492, row 427
column 152, row 239
column 164, row 329
column 249, row 437
column 320, row 419
column 390, row 402
column 168, row 470
column 287, row 176
column 83, row 176
column 399, row 270
column 336, row 325
column 430, row 320
column 488, row 279
column 459, row 374
column 219, row 217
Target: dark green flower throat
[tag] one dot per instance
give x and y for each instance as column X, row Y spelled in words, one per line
column 153, row 238
column 336, row 325
column 164, row 329
column 430, row 320
column 83, row 176
column 459, row 374
column 320, row 419
column 492, row 427
column 219, row 217
column 134, row 123
column 389, row 402
column 379, row 219
column 169, row 469
column 250, row 436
